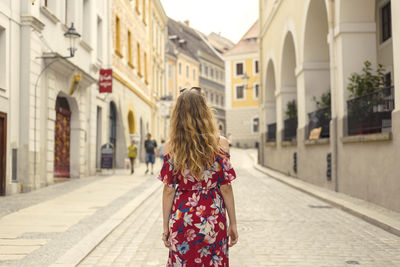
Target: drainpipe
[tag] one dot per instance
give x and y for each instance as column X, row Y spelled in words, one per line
column 334, row 93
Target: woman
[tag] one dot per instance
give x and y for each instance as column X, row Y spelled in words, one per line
column 196, row 159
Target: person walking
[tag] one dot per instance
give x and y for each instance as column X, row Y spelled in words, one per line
column 150, row 146
column 161, row 149
column 197, row 176
column 132, row 152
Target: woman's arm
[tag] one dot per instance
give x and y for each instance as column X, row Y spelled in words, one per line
column 227, row 195
column 168, row 199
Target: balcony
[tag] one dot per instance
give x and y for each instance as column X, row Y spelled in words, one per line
column 290, row 129
column 320, row 118
column 271, row 132
column 371, row 113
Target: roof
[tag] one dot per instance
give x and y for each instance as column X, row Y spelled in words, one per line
column 248, row 43
column 220, row 43
column 187, row 40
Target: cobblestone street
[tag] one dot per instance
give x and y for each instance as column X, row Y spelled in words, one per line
column 278, row 226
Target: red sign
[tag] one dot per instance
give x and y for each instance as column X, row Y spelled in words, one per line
column 105, row 81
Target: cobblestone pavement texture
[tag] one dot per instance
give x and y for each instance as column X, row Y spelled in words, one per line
column 37, row 228
column 278, row 226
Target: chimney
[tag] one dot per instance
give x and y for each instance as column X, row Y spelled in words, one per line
column 187, row 22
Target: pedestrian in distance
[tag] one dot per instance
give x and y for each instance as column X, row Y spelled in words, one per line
column 132, row 153
column 161, row 149
column 150, row 146
column 197, row 176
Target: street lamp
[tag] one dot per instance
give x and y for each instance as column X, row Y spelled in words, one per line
column 72, row 35
column 246, row 79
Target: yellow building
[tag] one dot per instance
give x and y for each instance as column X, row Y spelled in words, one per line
column 242, row 85
column 131, row 103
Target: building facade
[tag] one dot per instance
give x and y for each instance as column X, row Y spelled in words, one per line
column 158, row 25
column 49, row 89
column 242, row 90
column 309, row 50
column 131, row 100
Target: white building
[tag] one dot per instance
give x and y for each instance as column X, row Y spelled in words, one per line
column 309, row 48
column 50, row 99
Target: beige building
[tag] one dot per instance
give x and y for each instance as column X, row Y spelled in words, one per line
column 310, row 48
column 158, row 25
column 242, row 90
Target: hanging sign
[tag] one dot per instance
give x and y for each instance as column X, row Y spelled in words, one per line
column 75, row 83
column 105, row 81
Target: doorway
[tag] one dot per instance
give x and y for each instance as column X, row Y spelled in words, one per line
column 3, row 151
column 62, row 139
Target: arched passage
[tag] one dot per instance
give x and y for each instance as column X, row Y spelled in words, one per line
column 113, row 124
column 288, row 90
column 316, row 67
column 270, row 102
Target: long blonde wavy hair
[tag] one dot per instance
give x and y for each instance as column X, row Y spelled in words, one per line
column 194, row 140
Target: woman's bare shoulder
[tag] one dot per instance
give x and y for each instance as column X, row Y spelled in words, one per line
column 224, row 143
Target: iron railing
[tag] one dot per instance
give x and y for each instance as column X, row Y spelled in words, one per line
column 271, row 132
column 320, row 118
column 290, row 129
column 371, row 113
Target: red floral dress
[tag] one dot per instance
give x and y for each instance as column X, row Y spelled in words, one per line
column 197, row 224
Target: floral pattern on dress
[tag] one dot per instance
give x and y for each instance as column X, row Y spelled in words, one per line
column 197, row 224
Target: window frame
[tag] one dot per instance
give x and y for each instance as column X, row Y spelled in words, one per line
column 383, row 23
column 256, row 66
column 235, row 92
column 236, row 68
column 256, row 96
column 253, row 124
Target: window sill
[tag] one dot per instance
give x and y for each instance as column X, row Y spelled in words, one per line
column 49, row 14
column 320, row 141
column 118, row 53
column 270, row 144
column 289, row 143
column 378, row 137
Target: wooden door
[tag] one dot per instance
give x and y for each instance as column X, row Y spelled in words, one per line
column 3, row 151
column 62, row 142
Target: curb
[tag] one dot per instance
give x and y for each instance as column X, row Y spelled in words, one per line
column 77, row 253
column 375, row 218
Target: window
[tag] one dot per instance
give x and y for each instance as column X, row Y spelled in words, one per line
column 388, row 79
column 3, row 58
column 139, row 67
column 86, row 21
column 216, row 75
column 169, row 70
column 194, row 74
column 118, row 37
column 99, row 38
column 239, row 69
column 212, row 73
column 256, row 123
column 130, row 49
column 212, row 97
column 222, row 100
column 256, row 66
column 386, row 22
column 200, row 68
column 206, row 70
column 137, row 6
column 144, row 12
column 206, row 94
column 187, row 71
column 256, row 90
column 217, row 99
column 145, row 68
column 180, row 68
column 239, row 92
column 45, row 3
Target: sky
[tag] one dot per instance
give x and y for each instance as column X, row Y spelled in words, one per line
column 231, row 18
